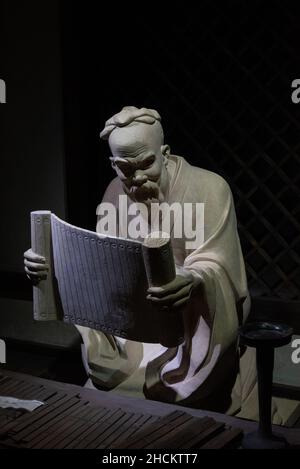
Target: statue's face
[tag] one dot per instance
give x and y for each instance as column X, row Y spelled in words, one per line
column 139, row 163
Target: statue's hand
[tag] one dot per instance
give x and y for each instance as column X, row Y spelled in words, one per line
column 35, row 266
column 175, row 294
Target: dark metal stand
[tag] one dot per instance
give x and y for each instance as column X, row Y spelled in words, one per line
column 265, row 336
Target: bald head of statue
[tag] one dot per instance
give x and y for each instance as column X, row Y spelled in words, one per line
column 139, row 156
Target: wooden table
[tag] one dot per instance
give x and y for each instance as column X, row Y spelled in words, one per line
column 76, row 417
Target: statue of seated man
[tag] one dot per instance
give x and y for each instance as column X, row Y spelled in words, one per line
column 210, row 286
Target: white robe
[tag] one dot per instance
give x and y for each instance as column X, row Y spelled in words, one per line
column 202, row 371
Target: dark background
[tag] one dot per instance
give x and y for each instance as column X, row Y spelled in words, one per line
column 219, row 73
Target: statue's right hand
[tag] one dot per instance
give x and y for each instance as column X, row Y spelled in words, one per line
column 35, row 266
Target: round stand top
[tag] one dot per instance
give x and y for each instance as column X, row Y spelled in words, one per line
column 267, row 334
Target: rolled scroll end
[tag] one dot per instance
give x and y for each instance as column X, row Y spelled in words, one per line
column 44, row 293
column 158, row 258
column 156, row 239
column 160, row 270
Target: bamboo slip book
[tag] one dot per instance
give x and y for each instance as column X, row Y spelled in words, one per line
column 101, row 282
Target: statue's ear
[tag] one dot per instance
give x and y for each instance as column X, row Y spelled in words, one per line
column 165, row 150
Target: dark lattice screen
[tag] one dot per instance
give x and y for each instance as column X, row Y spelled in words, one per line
column 220, row 74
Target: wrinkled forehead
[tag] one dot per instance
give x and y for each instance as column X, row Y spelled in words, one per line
column 133, row 139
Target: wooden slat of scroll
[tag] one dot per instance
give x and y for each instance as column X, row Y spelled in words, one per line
column 47, row 416
column 43, row 394
column 20, row 430
column 101, row 434
column 46, row 423
column 52, row 403
column 110, row 420
column 71, row 428
column 27, row 392
column 78, row 410
column 10, row 386
column 131, row 431
column 224, row 440
column 23, row 389
column 200, row 438
column 31, row 417
column 179, row 436
column 67, row 426
column 131, row 426
column 4, row 379
column 89, row 427
column 157, row 430
column 111, row 425
column 121, row 427
column 6, row 384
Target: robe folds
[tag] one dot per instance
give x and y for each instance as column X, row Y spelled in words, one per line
column 204, row 370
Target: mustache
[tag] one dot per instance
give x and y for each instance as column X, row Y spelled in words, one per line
column 147, row 190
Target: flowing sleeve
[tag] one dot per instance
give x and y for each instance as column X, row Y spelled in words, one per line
column 208, row 355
